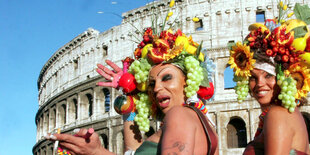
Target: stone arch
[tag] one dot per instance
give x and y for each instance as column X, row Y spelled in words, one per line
column 46, row 123
column 90, row 104
column 62, row 114
column 228, row 78
column 41, row 125
column 52, row 122
column 236, row 133
column 307, row 121
column 72, row 110
column 86, row 104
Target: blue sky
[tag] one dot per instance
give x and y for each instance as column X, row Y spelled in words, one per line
column 30, row 32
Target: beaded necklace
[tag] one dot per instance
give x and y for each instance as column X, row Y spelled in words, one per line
column 261, row 122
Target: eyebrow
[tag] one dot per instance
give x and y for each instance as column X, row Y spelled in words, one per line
column 162, row 70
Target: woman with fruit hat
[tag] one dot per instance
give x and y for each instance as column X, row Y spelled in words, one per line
column 271, row 65
column 167, row 81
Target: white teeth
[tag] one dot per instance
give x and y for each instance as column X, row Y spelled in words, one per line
column 262, row 92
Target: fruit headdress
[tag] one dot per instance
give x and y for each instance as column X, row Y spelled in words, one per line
column 163, row 46
column 281, row 47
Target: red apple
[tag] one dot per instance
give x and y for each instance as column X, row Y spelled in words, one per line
column 206, row 92
column 127, row 82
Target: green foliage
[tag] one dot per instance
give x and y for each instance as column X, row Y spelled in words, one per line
column 302, row 12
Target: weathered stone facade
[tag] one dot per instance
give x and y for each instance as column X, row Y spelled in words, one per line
column 69, row 97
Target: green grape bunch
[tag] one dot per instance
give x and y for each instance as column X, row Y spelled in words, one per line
column 288, row 91
column 242, row 88
column 143, row 111
column 194, row 75
column 140, row 69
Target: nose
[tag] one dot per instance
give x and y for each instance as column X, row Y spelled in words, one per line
column 260, row 81
column 157, row 87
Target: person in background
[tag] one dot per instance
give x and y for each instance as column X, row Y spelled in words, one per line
column 273, row 67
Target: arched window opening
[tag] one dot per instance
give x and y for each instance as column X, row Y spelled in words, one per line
column 228, row 78
column 46, row 123
column 236, row 133
column 90, row 104
column 307, row 121
column 104, row 141
column 107, row 100
column 75, row 105
column 64, row 120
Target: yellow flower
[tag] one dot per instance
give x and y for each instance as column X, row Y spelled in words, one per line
column 241, row 60
column 285, row 7
column 167, row 18
column 290, row 15
column 196, row 19
column 281, row 4
column 175, row 51
column 301, row 74
column 170, row 14
column 171, row 3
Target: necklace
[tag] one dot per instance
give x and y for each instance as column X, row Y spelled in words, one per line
column 261, row 122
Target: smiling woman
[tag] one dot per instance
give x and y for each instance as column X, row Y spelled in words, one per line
column 268, row 65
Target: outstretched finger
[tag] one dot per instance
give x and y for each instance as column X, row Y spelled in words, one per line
column 105, row 69
column 106, row 84
column 113, row 65
column 104, row 74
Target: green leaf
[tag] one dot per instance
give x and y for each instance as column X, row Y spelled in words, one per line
column 300, row 31
column 279, row 69
column 198, row 49
column 230, row 45
column 302, row 12
column 205, row 81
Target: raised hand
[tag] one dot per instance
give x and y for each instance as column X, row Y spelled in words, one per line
column 112, row 76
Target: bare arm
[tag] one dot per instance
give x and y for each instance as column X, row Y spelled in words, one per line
column 132, row 136
column 178, row 132
column 278, row 134
column 77, row 144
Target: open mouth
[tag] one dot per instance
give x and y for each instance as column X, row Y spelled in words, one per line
column 163, row 101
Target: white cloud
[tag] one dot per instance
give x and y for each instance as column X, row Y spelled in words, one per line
column 113, row 2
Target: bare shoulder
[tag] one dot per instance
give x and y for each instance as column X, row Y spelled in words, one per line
column 280, row 116
column 180, row 114
column 280, row 113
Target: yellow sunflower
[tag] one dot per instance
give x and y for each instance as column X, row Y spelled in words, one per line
column 301, row 74
column 241, row 60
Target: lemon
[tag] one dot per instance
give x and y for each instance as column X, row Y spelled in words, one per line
column 299, row 44
column 145, row 50
column 142, row 86
column 305, row 57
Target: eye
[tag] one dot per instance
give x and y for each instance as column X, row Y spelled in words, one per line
column 252, row 78
column 167, row 77
column 151, row 83
column 268, row 76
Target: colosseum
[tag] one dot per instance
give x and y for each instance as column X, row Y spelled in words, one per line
column 69, row 98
